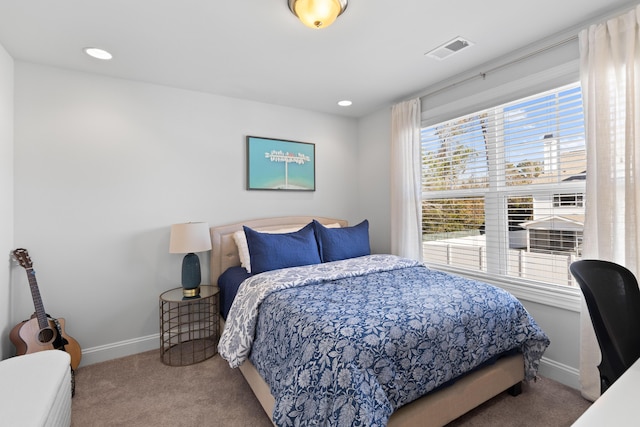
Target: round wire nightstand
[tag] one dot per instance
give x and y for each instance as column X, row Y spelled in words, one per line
column 189, row 328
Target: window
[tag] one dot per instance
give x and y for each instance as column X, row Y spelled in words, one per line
column 573, row 200
column 503, row 189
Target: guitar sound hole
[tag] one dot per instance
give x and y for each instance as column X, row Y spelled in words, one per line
column 45, row 335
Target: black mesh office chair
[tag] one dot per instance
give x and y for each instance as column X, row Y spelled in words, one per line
column 613, row 298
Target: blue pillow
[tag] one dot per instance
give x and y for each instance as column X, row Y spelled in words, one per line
column 274, row 251
column 342, row 243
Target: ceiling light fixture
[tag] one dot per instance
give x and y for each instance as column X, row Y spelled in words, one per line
column 317, row 13
column 345, row 103
column 98, row 53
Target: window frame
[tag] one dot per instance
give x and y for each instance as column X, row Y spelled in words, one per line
column 560, row 296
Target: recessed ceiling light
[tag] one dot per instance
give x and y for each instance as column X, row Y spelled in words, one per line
column 98, row 53
column 345, row 103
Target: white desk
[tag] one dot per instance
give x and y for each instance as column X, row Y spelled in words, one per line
column 618, row 406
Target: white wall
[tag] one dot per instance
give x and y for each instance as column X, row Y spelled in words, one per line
column 6, row 196
column 374, row 186
column 104, row 166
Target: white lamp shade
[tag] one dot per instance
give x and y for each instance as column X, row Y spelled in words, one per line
column 189, row 237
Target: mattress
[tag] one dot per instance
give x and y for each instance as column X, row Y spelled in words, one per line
column 229, row 282
column 36, row 389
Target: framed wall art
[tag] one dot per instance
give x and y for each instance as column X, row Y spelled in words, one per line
column 278, row 164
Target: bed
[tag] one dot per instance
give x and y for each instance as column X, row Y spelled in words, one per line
column 369, row 400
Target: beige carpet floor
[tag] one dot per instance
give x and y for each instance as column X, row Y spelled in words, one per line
column 140, row 390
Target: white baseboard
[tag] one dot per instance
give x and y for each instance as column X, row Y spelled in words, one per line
column 556, row 371
column 115, row 350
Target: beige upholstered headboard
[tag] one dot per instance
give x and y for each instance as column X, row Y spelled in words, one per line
column 224, row 252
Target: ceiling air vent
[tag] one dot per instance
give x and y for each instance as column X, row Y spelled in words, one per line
column 449, row 48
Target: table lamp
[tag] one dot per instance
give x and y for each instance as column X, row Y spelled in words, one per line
column 187, row 239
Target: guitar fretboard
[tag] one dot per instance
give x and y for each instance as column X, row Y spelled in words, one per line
column 41, row 314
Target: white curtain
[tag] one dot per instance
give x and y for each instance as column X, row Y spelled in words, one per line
column 610, row 77
column 406, row 194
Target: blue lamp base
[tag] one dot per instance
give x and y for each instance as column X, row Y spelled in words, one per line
column 191, row 276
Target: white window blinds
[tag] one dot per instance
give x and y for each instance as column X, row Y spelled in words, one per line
column 503, row 188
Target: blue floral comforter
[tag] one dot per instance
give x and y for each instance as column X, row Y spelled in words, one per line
column 348, row 342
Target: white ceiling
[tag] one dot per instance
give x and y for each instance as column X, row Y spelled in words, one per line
column 257, row 50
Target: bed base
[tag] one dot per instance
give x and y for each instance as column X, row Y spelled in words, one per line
column 447, row 404
column 435, row 409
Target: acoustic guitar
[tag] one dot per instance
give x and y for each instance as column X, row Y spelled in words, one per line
column 41, row 332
